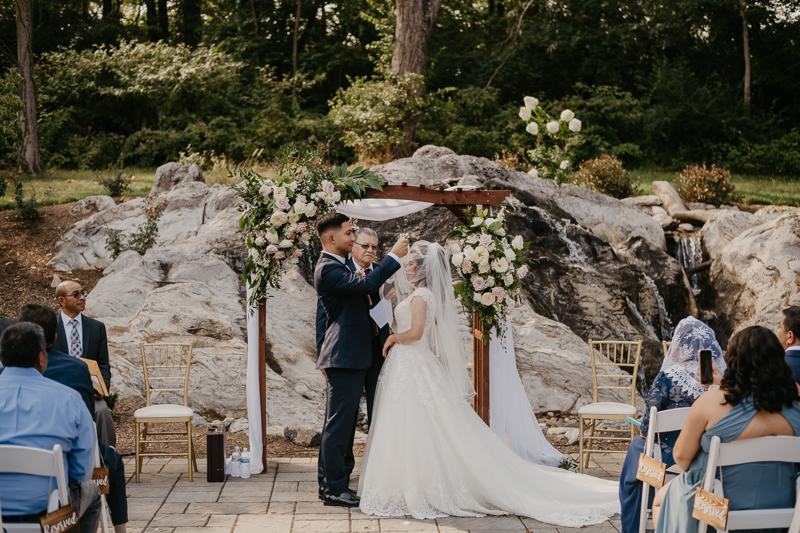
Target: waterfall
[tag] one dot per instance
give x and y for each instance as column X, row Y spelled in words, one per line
column 642, row 322
column 666, row 323
column 576, row 254
column 690, row 254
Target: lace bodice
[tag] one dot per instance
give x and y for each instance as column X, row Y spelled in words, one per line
column 403, row 312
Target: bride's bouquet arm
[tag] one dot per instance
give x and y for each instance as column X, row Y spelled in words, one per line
column 419, row 309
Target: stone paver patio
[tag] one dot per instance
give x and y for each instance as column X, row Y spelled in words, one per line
column 284, row 500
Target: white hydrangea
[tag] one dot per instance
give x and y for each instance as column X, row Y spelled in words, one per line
column 575, row 125
column 567, row 115
column 564, row 164
column 552, row 127
column 532, row 128
column 531, row 102
column 524, row 113
column 533, row 173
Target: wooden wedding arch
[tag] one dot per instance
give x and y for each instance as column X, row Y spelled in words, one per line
column 456, row 201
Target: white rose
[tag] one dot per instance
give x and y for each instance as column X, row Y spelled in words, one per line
column 533, row 173
column 531, row 102
column 458, row 259
column 484, row 267
column 469, row 253
column 481, row 254
column 532, row 128
column 516, row 242
column 311, row 210
column 564, row 165
column 575, row 125
column 286, row 243
column 278, row 218
column 336, row 196
column 524, row 113
column 510, row 255
column 293, row 218
column 260, row 241
column 489, row 281
column 501, row 232
column 487, row 298
column 477, row 297
column 300, row 207
column 477, row 221
column 552, row 127
column 567, row 115
column 272, row 236
column 292, row 185
column 500, row 265
column 489, row 221
column 305, row 237
column 280, row 192
column 508, row 279
column 289, row 229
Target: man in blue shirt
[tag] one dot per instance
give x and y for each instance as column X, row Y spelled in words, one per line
column 789, row 335
column 38, row 412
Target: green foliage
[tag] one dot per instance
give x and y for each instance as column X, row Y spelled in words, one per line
column 111, row 400
column 27, row 206
column 780, row 157
column 701, row 184
column 555, row 139
column 606, row 175
column 10, row 107
column 116, row 181
column 144, row 237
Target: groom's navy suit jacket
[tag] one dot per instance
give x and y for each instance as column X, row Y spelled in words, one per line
column 348, row 331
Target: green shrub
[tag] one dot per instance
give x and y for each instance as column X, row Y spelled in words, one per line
column 780, row 156
column 117, row 181
column 27, row 207
column 708, row 185
column 606, row 175
column 10, row 106
column 145, row 235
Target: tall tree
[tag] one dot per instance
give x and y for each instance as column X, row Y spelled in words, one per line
column 415, row 19
column 746, row 46
column 153, row 31
column 192, row 20
column 29, row 148
column 163, row 19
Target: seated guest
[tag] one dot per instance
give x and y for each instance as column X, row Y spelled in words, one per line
column 676, row 385
column 789, row 335
column 38, row 412
column 758, row 397
column 81, row 336
column 74, row 373
column 4, row 321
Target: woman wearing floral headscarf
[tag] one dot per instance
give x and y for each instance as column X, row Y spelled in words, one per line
column 676, row 385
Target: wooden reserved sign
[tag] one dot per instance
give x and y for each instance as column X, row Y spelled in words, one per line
column 100, row 478
column 711, row 509
column 63, row 520
column 651, row 471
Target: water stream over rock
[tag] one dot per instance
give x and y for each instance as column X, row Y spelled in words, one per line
column 689, row 252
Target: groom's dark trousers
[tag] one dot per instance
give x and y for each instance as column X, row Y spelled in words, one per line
column 345, row 355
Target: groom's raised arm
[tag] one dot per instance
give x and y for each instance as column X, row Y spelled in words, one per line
column 342, row 280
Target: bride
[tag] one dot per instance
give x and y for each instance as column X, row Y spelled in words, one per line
column 429, row 455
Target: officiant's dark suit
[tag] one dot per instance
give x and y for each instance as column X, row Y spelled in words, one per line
column 95, row 344
column 346, row 354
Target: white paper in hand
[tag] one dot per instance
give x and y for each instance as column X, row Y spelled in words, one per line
column 381, row 313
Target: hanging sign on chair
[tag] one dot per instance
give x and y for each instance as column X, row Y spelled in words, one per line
column 651, row 471
column 63, row 520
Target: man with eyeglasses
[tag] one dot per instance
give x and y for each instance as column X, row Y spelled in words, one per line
column 81, row 336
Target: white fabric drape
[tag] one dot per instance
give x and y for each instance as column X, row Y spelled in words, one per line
column 511, row 416
column 380, row 209
column 253, row 396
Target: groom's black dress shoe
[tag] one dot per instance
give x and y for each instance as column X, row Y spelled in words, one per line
column 353, row 493
column 342, row 500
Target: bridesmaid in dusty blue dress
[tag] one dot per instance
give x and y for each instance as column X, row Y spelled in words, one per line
column 676, row 385
column 757, row 387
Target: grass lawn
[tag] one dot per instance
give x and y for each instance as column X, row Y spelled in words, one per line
column 61, row 186
column 754, row 189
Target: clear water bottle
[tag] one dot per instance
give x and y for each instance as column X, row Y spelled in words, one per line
column 236, row 463
column 245, row 464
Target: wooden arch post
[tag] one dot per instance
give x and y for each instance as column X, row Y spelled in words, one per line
column 455, row 201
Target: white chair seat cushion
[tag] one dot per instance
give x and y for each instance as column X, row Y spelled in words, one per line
column 163, row 411
column 608, row 408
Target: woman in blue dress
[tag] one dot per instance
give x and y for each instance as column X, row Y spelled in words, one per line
column 758, row 397
column 676, row 385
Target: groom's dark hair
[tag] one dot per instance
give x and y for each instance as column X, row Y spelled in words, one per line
column 330, row 221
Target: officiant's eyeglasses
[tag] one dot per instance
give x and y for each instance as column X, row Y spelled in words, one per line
column 77, row 294
column 368, row 246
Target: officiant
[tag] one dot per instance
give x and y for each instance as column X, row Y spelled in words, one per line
column 364, row 254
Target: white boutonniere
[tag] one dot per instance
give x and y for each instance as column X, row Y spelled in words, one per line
column 360, row 272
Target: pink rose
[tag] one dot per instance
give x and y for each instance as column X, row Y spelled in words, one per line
column 271, row 249
column 522, row 271
column 261, row 233
column 280, row 255
column 485, row 240
column 478, row 283
column 301, row 227
column 283, row 203
column 466, row 266
column 327, row 187
column 498, row 292
column 297, row 253
column 515, row 293
column 301, row 199
column 454, row 248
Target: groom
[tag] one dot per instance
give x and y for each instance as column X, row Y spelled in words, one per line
column 346, row 353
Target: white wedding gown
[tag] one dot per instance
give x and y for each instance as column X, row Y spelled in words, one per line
column 429, row 455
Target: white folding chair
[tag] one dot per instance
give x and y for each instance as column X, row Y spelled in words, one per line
column 660, row 422
column 36, row 462
column 776, row 448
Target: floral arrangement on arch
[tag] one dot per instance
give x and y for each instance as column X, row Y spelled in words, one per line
column 491, row 265
column 554, row 139
column 280, row 213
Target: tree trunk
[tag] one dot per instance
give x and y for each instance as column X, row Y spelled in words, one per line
column 163, row 19
column 415, row 19
column 192, row 20
column 746, row 46
column 294, row 43
column 29, row 148
column 108, row 8
column 255, row 27
column 153, row 32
